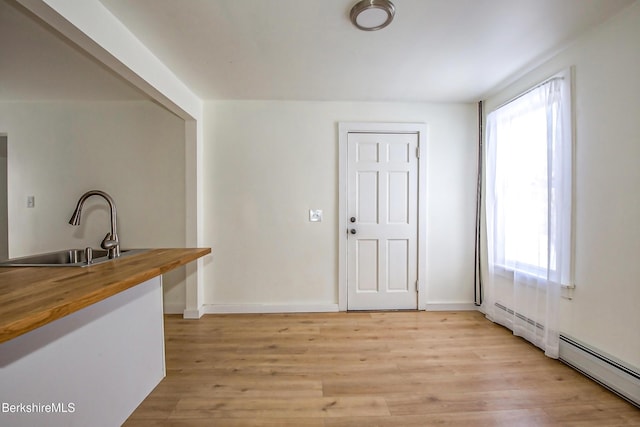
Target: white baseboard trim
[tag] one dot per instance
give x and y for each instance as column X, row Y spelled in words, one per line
column 613, row 374
column 448, row 306
column 194, row 314
column 173, row 309
column 269, row 308
column 290, row 308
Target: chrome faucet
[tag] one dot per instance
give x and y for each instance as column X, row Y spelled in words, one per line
column 110, row 242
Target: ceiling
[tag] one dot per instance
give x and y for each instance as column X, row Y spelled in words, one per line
column 37, row 64
column 434, row 50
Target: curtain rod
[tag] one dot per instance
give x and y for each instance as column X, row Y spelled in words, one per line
column 550, row 79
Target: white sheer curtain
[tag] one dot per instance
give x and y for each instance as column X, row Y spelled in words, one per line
column 528, row 211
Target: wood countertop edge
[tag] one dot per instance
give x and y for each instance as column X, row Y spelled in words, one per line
column 51, row 313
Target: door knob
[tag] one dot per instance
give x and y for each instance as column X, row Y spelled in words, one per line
column 352, row 231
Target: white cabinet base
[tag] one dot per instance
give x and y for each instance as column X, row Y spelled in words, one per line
column 91, row 368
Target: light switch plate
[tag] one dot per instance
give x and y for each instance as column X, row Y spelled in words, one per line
column 315, row 215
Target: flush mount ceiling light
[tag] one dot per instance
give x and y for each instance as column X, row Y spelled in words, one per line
column 371, row 15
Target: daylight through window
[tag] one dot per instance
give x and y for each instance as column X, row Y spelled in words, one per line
column 529, row 182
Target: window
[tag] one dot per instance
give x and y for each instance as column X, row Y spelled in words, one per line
column 529, row 192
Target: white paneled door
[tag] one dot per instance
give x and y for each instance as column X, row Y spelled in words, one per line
column 382, row 221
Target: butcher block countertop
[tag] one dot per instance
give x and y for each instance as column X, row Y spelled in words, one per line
column 31, row 297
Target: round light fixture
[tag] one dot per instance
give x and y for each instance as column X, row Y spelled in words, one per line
column 371, row 15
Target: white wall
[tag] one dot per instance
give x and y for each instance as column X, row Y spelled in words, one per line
column 132, row 150
column 268, row 162
column 604, row 311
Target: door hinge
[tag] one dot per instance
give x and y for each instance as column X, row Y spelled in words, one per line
column 418, row 152
column 417, row 286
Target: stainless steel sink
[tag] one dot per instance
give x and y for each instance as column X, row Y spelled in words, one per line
column 67, row 258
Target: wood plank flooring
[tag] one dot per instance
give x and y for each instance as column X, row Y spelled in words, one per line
column 367, row 369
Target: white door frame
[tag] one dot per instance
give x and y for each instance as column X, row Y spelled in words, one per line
column 344, row 128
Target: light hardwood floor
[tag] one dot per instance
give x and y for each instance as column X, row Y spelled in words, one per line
column 367, row 369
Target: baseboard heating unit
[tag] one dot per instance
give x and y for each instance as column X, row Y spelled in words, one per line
column 616, row 376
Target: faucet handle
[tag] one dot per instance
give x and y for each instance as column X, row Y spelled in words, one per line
column 111, row 244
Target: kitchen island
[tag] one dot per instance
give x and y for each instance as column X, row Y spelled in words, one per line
column 83, row 345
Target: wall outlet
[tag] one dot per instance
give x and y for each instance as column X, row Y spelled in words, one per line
column 315, row 215
column 31, row 201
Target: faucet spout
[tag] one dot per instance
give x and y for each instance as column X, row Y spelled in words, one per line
column 110, row 241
